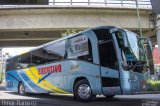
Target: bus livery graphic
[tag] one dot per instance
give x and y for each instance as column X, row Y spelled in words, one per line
column 49, row 69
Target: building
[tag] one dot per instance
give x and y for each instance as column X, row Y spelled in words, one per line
column 156, row 59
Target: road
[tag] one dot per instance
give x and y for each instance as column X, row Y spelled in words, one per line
column 8, row 98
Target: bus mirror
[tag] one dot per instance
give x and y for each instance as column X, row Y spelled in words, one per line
column 147, row 42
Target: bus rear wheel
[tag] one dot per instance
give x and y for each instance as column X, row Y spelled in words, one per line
column 83, row 91
column 21, row 89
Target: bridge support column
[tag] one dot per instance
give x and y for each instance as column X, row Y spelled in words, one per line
column 158, row 30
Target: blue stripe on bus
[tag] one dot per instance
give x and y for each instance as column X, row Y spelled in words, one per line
column 15, row 75
column 33, row 85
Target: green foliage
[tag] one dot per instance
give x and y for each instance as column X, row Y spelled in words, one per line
column 153, row 85
column 2, row 76
column 156, row 68
column 68, row 32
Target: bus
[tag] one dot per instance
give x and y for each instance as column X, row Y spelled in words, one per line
column 103, row 60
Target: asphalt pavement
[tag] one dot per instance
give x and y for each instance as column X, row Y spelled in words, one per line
column 9, row 98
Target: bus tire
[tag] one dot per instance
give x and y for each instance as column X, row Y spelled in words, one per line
column 83, row 91
column 21, row 89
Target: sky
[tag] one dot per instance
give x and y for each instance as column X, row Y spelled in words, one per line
column 156, row 45
column 16, row 51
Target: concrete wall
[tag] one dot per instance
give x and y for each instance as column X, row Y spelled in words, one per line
column 158, row 30
column 53, row 18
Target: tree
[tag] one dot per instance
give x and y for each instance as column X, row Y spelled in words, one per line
column 69, row 32
column 3, row 63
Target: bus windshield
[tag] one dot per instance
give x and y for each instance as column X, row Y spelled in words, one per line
column 133, row 55
column 135, row 52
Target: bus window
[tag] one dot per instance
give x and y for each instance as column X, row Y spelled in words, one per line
column 49, row 53
column 107, row 51
column 79, row 47
column 9, row 65
column 55, row 51
column 25, row 60
column 39, row 56
column 15, row 63
column 12, row 64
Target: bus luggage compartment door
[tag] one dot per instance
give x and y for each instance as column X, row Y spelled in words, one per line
column 110, row 81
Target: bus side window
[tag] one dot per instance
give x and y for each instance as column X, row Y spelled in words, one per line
column 55, row 51
column 80, row 47
column 39, row 57
column 15, row 62
column 9, row 65
column 25, row 60
column 89, row 56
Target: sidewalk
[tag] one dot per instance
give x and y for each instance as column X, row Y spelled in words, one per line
column 148, row 92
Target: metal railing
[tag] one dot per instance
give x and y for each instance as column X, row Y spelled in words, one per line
column 105, row 3
column 109, row 3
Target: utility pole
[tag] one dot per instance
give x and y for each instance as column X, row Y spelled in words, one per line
column 1, row 64
column 139, row 21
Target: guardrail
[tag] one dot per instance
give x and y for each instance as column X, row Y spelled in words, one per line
column 113, row 3
column 105, row 3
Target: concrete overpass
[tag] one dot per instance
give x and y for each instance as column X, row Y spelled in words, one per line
column 35, row 25
column 156, row 8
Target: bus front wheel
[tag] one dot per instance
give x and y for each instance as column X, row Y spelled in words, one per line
column 21, row 89
column 83, row 91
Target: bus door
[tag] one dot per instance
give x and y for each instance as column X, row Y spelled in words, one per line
column 108, row 63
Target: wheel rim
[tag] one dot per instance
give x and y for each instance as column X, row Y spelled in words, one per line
column 21, row 89
column 84, row 91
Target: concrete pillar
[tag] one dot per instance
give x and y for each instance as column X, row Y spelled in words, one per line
column 158, row 30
